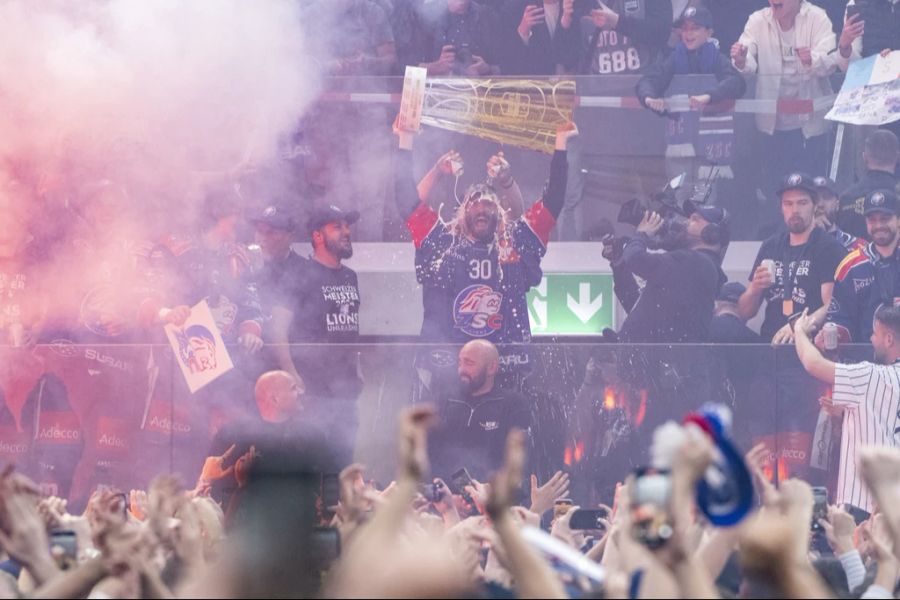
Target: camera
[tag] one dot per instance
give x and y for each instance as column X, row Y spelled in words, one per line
column 463, row 54
column 663, row 202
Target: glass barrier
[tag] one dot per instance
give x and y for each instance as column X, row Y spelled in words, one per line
column 75, row 417
column 733, row 153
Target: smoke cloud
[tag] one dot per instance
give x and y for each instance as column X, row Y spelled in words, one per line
column 158, row 96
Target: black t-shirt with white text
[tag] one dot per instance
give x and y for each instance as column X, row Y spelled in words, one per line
column 325, row 304
column 802, row 270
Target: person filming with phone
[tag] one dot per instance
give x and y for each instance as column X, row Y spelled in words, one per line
column 465, row 39
column 475, row 420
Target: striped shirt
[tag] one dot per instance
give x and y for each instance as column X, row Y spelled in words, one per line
column 870, row 396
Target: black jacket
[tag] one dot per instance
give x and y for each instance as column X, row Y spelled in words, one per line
column 676, row 304
column 542, row 53
column 731, row 84
column 472, row 432
column 851, row 217
column 882, row 19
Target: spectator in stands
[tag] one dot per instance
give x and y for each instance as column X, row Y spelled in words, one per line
column 827, row 213
column 869, row 277
column 351, row 37
column 728, row 326
column 464, row 37
column 275, row 230
column 676, row 303
column 703, row 136
column 789, row 46
column 624, row 37
column 870, row 27
column 881, row 155
column 694, row 54
column 318, row 303
column 805, row 259
column 410, row 37
column 540, row 38
column 474, row 423
column 730, row 17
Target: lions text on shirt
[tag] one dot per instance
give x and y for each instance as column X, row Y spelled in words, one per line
column 870, row 396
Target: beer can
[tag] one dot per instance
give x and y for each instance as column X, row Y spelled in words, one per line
column 830, row 333
column 769, row 264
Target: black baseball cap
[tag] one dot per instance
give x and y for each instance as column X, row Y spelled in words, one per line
column 699, row 15
column 731, row 292
column 277, row 215
column 799, row 181
column 884, row 201
column 824, row 183
column 329, row 214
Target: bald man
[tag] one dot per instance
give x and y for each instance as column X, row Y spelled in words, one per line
column 282, row 425
column 278, row 396
column 476, row 418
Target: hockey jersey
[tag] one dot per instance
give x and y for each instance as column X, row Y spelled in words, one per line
column 863, row 281
column 474, row 289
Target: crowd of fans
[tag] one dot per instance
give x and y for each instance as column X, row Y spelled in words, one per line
column 268, row 516
column 415, row 538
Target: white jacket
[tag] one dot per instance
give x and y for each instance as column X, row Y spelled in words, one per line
column 812, row 30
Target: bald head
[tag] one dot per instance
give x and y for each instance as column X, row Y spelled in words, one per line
column 278, row 396
column 479, row 363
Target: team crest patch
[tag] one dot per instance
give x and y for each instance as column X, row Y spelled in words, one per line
column 476, row 311
column 795, row 179
column 877, row 199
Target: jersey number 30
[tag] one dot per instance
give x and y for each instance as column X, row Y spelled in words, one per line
column 480, row 269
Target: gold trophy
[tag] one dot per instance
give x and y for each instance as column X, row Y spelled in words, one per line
column 518, row 112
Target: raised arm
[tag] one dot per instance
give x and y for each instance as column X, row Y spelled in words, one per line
column 815, row 364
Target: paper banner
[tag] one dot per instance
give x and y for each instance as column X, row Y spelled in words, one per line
column 199, row 349
column 871, row 92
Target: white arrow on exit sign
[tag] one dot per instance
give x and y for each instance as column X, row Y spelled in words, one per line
column 584, row 308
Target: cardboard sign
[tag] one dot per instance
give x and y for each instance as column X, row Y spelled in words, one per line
column 199, row 349
column 411, row 105
column 871, row 92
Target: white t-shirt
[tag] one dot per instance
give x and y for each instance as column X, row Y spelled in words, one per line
column 870, row 396
column 790, row 77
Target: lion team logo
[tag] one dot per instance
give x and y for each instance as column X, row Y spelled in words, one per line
column 197, row 349
column 795, row 179
column 476, row 311
column 877, row 199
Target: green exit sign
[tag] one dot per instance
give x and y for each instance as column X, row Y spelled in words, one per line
column 572, row 304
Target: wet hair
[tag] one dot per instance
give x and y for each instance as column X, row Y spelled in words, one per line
column 477, row 192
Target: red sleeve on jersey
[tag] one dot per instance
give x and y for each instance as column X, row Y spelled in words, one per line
column 850, row 261
column 421, row 222
column 541, row 221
